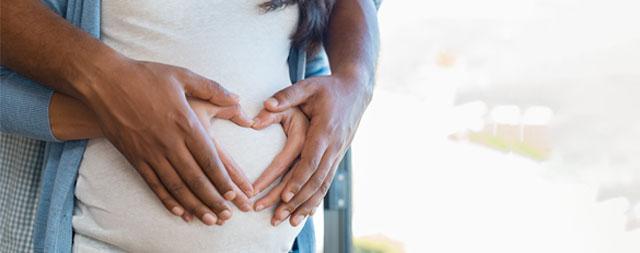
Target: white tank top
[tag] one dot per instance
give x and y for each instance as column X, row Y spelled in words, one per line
column 233, row 42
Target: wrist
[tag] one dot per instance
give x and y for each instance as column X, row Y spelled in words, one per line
column 356, row 72
column 356, row 79
column 70, row 119
column 87, row 71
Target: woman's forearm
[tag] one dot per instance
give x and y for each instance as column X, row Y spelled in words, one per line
column 71, row 120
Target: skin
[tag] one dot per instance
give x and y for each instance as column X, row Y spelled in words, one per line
column 334, row 104
column 72, row 120
column 164, row 142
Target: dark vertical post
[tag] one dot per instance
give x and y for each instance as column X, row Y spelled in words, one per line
column 337, row 211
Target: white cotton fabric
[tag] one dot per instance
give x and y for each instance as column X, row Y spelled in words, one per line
column 232, row 42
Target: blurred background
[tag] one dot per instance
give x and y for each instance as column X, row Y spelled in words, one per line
column 502, row 126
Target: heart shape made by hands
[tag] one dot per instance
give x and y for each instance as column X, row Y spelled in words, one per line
column 295, row 125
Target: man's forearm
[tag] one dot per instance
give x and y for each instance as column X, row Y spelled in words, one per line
column 41, row 45
column 141, row 107
column 353, row 40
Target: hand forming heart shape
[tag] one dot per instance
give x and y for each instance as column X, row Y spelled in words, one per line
column 293, row 121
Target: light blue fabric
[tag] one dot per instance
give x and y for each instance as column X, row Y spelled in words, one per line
column 24, row 111
column 24, row 108
column 306, row 240
column 53, row 231
column 317, row 66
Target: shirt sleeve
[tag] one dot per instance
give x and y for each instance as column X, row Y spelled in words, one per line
column 24, row 107
column 377, row 3
column 318, row 65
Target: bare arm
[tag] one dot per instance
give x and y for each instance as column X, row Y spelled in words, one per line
column 335, row 104
column 353, row 42
column 43, row 46
column 71, row 119
column 163, row 141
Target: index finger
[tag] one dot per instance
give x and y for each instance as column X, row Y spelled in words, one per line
column 206, row 155
column 235, row 114
column 313, row 151
column 206, row 89
column 240, row 179
column 237, row 175
column 283, row 160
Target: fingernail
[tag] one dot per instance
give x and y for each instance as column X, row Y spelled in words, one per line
column 256, row 123
column 235, row 96
column 287, row 197
column 178, row 211
column 272, row 102
column 230, row 195
column 225, row 215
column 209, row 219
column 259, row 207
column 276, row 222
column 186, row 218
column 255, row 192
column 296, row 220
column 246, row 207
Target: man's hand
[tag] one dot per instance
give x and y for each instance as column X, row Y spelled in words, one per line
column 143, row 110
column 207, row 113
column 334, row 105
column 140, row 106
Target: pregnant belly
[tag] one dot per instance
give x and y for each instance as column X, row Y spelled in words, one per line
column 115, row 206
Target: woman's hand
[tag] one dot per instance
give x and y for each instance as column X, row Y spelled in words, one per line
column 206, row 113
column 295, row 125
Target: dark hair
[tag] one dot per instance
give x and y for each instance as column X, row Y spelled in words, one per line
column 312, row 23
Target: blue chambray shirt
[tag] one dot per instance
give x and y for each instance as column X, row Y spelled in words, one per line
column 24, row 108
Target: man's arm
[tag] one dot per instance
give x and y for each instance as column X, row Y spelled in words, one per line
column 154, row 128
column 353, row 42
column 335, row 104
column 24, row 107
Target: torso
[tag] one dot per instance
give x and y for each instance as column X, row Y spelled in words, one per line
column 232, row 42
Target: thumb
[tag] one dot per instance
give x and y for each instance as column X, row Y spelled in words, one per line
column 291, row 96
column 209, row 90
